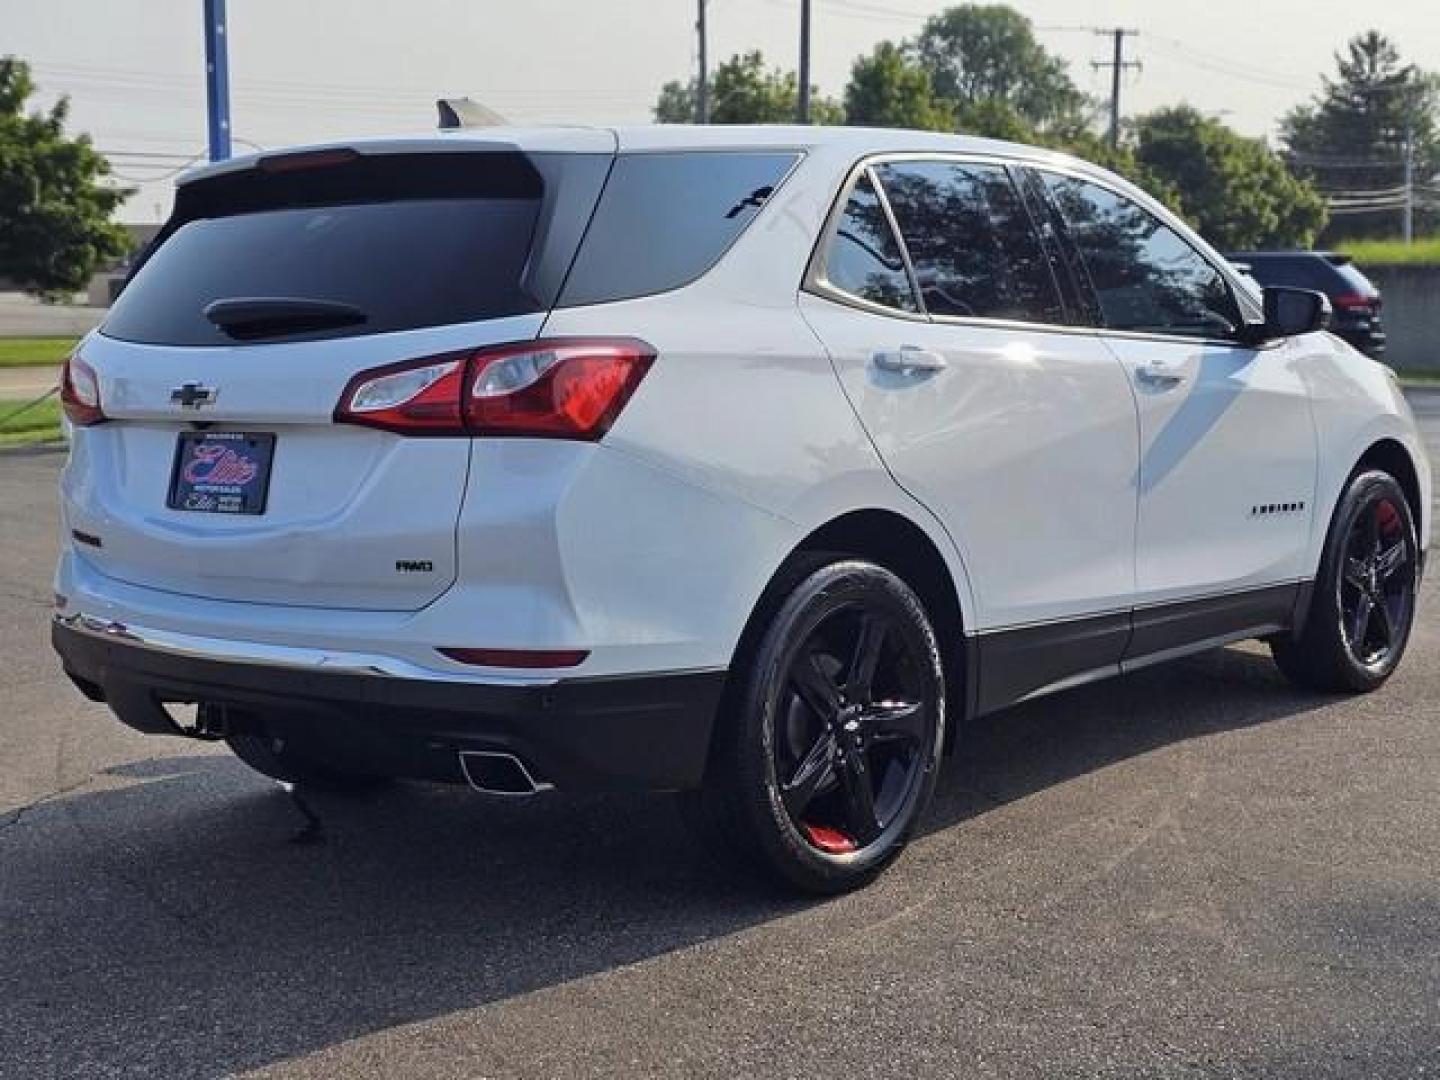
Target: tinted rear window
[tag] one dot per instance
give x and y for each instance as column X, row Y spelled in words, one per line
column 411, row 240
column 864, row 257
column 666, row 218
column 971, row 241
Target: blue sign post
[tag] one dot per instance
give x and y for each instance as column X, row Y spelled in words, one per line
column 217, row 79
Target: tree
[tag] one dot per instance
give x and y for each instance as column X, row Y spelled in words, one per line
column 745, row 91
column 982, row 54
column 1352, row 136
column 55, row 227
column 1235, row 191
column 889, row 89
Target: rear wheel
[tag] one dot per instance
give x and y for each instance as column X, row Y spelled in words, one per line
column 832, row 737
column 280, row 760
column 1364, row 600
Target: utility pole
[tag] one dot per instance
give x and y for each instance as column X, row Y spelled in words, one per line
column 1117, row 68
column 217, row 80
column 702, row 87
column 804, row 61
column 1409, row 228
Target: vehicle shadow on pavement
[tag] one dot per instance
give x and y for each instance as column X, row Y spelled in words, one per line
column 172, row 901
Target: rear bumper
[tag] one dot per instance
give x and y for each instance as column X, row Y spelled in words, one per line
column 606, row 733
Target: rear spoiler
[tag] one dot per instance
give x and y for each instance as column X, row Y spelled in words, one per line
column 464, row 113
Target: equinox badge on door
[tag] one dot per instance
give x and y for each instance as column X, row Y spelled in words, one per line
column 193, row 395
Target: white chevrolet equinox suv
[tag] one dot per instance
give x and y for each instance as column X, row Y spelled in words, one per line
column 745, row 463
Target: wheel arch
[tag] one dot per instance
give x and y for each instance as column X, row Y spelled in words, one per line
column 902, row 546
column 1391, row 456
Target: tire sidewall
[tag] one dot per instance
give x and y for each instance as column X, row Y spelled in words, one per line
column 1362, row 491
column 817, row 596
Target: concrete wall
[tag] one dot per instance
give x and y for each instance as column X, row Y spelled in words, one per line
column 1411, row 313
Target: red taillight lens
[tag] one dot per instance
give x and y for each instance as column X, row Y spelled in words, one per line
column 80, row 393
column 416, row 397
column 1356, row 302
column 566, row 388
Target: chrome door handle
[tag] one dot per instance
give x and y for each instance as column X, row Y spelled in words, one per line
column 909, row 360
column 1159, row 375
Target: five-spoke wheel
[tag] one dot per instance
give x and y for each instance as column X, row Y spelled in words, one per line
column 1363, row 602
column 827, row 753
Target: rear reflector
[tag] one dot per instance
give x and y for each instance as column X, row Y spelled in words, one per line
column 564, row 388
column 80, row 393
column 517, row 658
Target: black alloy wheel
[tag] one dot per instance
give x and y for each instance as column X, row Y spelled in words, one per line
column 827, row 751
column 1363, row 604
column 1377, row 584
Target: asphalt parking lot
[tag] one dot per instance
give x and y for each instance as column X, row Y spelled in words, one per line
column 1193, row 872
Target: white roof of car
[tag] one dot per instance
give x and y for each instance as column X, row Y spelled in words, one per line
column 660, row 137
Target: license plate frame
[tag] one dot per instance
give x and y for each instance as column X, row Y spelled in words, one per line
column 230, row 474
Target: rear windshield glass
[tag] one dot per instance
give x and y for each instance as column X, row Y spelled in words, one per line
column 409, row 240
column 666, row 218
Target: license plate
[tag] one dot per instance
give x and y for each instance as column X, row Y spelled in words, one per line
column 221, row 472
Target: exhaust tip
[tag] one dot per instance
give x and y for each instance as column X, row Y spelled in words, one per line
column 496, row 772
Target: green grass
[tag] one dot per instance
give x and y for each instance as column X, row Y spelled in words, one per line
column 1423, row 252
column 26, row 351
column 1430, row 376
column 37, row 424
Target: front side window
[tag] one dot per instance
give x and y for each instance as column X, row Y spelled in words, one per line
column 1146, row 277
column 864, row 258
column 971, row 241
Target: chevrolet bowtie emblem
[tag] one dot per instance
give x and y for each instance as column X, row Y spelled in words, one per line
column 192, row 395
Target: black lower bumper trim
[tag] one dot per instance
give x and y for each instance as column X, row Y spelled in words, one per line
column 643, row 731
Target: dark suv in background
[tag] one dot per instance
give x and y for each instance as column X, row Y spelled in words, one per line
column 1356, row 301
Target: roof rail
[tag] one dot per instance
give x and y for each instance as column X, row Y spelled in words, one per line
column 464, row 113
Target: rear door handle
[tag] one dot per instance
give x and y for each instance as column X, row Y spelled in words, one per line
column 1159, row 375
column 909, row 360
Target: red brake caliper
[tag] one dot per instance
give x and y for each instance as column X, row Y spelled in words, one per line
column 1389, row 517
column 831, row 841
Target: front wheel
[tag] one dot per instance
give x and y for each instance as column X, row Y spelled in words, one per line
column 1364, row 599
column 828, row 753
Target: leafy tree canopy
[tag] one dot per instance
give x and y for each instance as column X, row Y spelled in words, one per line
column 1236, row 191
column 744, row 90
column 1352, row 135
column 982, row 54
column 888, row 89
column 55, row 226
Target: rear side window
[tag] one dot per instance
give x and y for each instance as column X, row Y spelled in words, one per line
column 666, row 218
column 1146, row 277
column 971, row 241
column 864, row 258
column 410, row 240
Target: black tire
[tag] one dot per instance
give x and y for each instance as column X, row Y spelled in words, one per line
column 830, row 737
column 279, row 760
column 1363, row 604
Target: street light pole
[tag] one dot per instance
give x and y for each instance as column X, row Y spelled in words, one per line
column 217, row 80
column 804, row 61
column 702, row 86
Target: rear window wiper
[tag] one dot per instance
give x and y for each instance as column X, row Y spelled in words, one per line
column 250, row 317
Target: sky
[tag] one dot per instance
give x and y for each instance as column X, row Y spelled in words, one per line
column 310, row 70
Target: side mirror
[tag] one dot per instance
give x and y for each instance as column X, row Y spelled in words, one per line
column 1288, row 313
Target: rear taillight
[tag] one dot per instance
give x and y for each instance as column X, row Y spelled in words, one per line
column 1356, row 302
column 80, row 393
column 567, row 388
